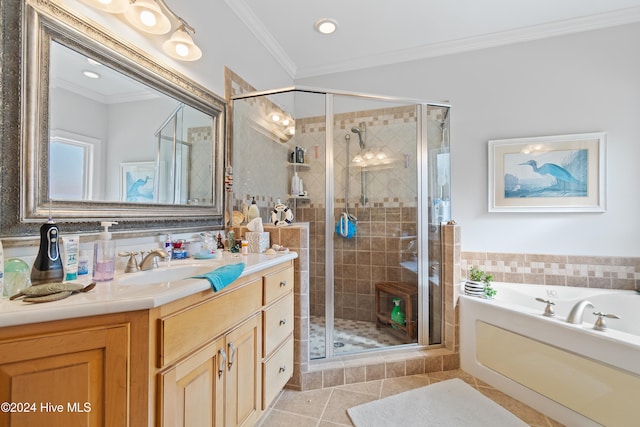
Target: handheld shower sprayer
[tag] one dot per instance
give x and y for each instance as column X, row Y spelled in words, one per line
column 360, row 130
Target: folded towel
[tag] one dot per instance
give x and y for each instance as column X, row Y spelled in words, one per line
column 222, row 276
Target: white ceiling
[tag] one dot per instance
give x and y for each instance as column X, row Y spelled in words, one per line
column 378, row 32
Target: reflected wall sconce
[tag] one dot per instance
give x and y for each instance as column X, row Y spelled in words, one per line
column 155, row 17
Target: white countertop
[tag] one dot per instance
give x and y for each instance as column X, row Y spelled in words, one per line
column 112, row 297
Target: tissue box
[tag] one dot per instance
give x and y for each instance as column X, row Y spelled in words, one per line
column 258, row 242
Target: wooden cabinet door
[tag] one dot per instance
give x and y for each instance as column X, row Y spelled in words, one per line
column 243, row 382
column 192, row 392
column 75, row 378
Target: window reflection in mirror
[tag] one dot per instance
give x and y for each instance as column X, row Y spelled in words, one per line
column 115, row 139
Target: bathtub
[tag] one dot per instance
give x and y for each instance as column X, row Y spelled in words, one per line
column 572, row 373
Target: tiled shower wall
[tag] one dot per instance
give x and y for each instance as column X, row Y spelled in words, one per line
column 560, row 270
column 387, row 220
column 382, row 242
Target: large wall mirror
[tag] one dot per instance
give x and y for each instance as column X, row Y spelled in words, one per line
column 107, row 132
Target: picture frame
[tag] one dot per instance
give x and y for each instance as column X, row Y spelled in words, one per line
column 138, row 182
column 561, row 173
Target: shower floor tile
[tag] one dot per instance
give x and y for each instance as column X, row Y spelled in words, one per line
column 348, row 336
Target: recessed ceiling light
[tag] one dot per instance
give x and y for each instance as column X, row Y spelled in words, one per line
column 91, row 74
column 325, row 25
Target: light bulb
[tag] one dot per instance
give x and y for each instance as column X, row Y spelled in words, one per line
column 285, row 122
column 368, row 155
column 380, row 155
column 275, row 117
column 182, row 49
column 148, row 18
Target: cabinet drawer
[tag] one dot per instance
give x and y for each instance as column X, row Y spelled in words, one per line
column 278, row 284
column 278, row 323
column 184, row 331
column 277, row 370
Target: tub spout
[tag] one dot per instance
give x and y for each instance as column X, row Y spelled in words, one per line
column 576, row 313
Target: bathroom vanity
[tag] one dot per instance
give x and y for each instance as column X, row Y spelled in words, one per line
column 169, row 353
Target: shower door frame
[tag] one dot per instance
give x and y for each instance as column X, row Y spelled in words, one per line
column 422, row 211
column 423, row 208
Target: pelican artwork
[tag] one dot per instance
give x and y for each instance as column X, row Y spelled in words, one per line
column 551, row 174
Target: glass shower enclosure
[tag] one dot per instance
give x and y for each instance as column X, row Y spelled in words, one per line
column 375, row 188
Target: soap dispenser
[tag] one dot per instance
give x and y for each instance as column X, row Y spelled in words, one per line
column 48, row 266
column 104, row 255
column 254, row 211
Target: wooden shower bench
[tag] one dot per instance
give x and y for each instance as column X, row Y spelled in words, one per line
column 407, row 292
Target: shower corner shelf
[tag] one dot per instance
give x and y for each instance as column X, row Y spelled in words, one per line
column 301, row 198
column 299, row 165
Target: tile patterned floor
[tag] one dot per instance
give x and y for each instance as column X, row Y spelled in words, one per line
column 328, row 407
column 348, row 336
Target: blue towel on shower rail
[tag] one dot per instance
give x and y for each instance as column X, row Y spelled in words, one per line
column 222, row 276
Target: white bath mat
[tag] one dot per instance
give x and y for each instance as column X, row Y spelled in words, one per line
column 451, row 403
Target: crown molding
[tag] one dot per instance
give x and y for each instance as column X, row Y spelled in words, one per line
column 255, row 25
column 519, row 35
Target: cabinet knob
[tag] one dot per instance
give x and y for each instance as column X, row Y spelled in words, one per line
column 283, row 283
column 282, row 369
column 283, row 322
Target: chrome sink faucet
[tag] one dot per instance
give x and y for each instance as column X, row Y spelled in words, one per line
column 576, row 313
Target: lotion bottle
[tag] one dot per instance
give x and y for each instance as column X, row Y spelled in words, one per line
column 254, row 211
column 104, row 255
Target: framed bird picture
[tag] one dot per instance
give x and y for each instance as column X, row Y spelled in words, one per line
column 563, row 173
column 138, row 182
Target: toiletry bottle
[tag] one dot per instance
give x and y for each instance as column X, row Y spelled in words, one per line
column 254, row 212
column 230, row 239
column 48, row 266
column 168, row 247
column 104, row 255
column 300, row 187
column 295, row 184
column 219, row 244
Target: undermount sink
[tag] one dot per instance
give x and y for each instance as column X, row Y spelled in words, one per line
column 164, row 274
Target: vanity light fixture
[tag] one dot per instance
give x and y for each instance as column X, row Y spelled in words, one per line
column 326, row 26
column 110, row 6
column 155, row 17
column 147, row 16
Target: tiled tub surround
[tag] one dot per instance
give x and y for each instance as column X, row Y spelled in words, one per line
column 559, row 270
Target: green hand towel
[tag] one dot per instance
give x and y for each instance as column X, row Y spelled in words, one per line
column 222, row 276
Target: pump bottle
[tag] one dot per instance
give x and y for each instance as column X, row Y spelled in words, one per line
column 254, row 211
column 104, row 255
